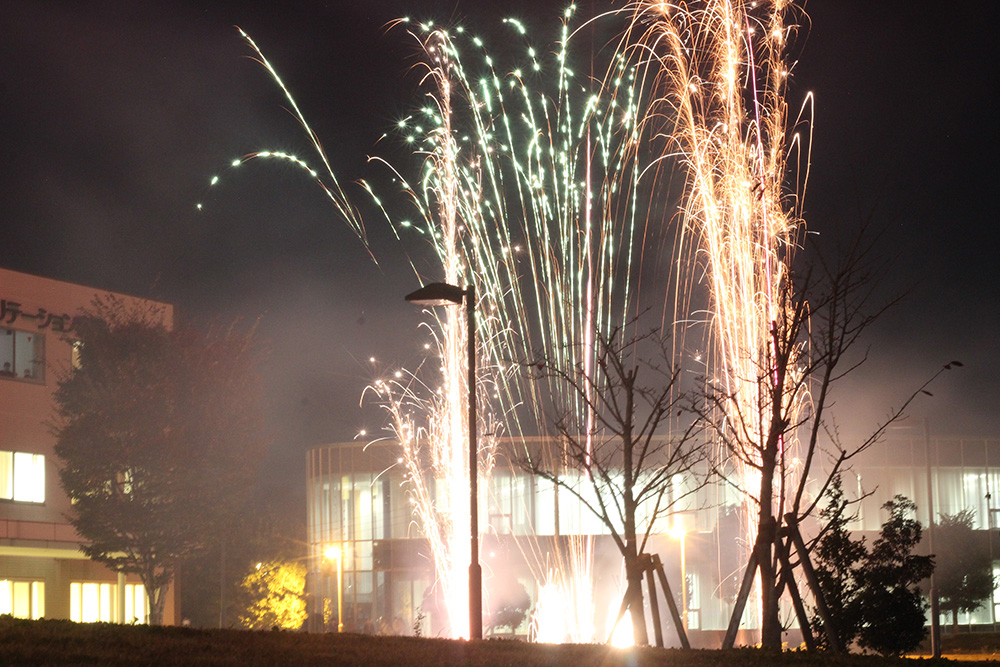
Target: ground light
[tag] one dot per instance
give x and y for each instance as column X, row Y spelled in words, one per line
column 335, row 553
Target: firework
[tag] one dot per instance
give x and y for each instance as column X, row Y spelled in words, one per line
column 720, row 71
column 546, row 187
column 326, row 180
column 529, row 187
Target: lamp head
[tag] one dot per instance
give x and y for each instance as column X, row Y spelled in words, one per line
column 437, row 294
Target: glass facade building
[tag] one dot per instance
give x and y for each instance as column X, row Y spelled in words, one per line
column 357, row 501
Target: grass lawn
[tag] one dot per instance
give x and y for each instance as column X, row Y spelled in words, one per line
column 65, row 643
column 965, row 647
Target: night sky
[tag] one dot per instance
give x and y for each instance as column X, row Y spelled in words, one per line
column 115, row 115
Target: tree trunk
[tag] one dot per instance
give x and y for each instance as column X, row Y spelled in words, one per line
column 770, row 628
column 156, row 592
column 157, row 601
column 633, row 573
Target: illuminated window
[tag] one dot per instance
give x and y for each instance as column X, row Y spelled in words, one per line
column 135, row 604
column 22, row 355
column 22, row 599
column 545, row 508
column 500, row 503
column 92, row 602
column 22, row 477
column 85, row 602
column 693, row 583
column 996, row 591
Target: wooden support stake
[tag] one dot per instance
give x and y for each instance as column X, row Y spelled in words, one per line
column 832, row 637
column 621, row 613
column 741, row 599
column 671, row 603
column 788, row 579
column 654, row 604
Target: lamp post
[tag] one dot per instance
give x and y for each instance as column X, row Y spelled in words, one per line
column 335, row 553
column 444, row 294
column 935, row 606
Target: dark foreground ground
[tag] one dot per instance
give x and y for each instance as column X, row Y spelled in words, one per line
column 66, row 643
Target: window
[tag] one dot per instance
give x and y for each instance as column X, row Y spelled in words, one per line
column 22, row 477
column 135, row 604
column 22, row 599
column 22, row 355
column 92, row 602
column 996, row 591
column 693, row 583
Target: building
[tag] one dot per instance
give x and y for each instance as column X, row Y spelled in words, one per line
column 358, row 502
column 43, row 573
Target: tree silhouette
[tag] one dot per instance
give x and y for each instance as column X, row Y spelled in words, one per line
column 964, row 572
column 890, row 596
column 617, row 455
column 816, row 334
column 158, row 432
column 838, row 560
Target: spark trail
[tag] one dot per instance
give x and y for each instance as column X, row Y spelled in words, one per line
column 327, row 180
column 545, row 191
column 720, row 71
column 546, row 186
column 529, row 187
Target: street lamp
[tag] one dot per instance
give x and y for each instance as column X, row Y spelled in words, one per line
column 933, row 593
column 334, row 553
column 443, row 294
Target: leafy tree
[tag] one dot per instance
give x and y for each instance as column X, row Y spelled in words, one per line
column 873, row 596
column 212, row 591
column 890, row 597
column 616, row 454
column 158, row 431
column 964, row 573
column 838, row 562
column 276, row 594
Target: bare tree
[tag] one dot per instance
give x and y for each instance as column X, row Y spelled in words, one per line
column 784, row 433
column 617, row 453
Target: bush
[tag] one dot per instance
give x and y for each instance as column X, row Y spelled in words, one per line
column 873, row 595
